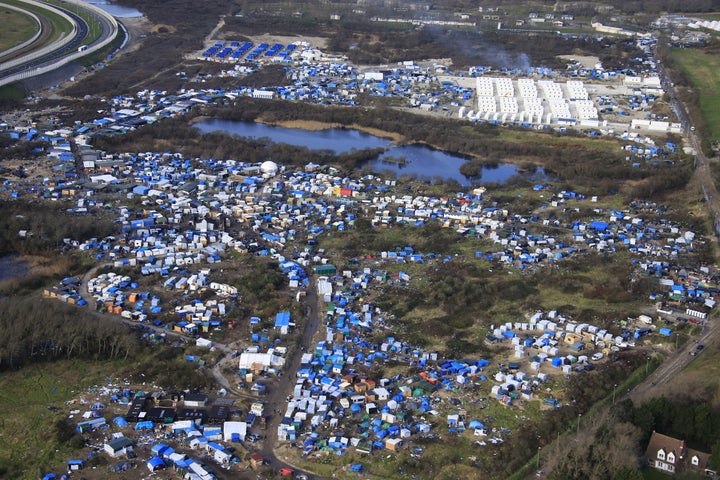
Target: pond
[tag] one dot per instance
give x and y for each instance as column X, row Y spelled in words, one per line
column 427, row 164
column 12, row 267
column 339, row 140
column 115, row 10
column 418, row 161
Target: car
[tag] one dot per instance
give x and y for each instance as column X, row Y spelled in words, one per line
column 286, row 472
column 301, row 476
column 699, row 347
column 254, row 437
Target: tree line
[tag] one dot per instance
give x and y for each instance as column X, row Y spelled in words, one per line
column 41, row 330
column 31, row 227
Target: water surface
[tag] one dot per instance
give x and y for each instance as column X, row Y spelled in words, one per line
column 12, row 267
column 115, row 10
column 419, row 161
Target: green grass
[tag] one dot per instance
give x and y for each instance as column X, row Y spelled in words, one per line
column 702, row 70
column 594, row 144
column 29, row 433
column 707, row 16
column 59, row 25
column 12, row 92
column 17, row 28
column 652, row 474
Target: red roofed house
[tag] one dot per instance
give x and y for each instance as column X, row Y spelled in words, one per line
column 670, row 455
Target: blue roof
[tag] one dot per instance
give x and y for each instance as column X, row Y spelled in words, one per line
column 282, row 319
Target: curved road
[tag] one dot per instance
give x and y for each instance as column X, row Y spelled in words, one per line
column 81, row 32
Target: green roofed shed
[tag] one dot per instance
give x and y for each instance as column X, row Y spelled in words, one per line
column 326, row 269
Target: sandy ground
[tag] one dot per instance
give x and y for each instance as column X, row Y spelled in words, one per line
column 312, row 125
column 585, row 61
column 318, row 42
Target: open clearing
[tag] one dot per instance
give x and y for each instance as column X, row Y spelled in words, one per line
column 29, row 398
column 17, row 28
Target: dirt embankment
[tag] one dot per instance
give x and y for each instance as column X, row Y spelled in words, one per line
column 314, row 125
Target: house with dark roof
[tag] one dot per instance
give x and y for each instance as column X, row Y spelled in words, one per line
column 670, row 455
column 118, row 446
column 195, row 400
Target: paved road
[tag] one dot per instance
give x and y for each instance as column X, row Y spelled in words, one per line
column 80, row 34
column 674, row 364
column 702, row 163
column 35, row 62
column 39, row 38
column 711, row 334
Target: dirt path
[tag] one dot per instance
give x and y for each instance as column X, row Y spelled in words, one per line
column 276, row 400
column 211, row 36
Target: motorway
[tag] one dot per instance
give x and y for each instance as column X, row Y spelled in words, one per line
column 80, row 34
column 711, row 333
column 64, row 50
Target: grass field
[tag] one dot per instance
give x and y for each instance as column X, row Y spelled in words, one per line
column 11, row 92
column 59, row 25
column 17, row 28
column 707, row 16
column 652, row 474
column 699, row 379
column 702, row 70
column 28, row 428
column 600, row 145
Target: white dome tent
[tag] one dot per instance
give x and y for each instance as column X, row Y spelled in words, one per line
column 269, row 168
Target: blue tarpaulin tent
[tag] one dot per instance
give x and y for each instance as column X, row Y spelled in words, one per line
column 155, row 463
column 120, row 422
